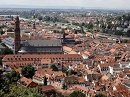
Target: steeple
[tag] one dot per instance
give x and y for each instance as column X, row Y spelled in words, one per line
column 17, row 22
column 17, row 35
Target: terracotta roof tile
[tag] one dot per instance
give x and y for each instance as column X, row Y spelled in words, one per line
column 47, row 88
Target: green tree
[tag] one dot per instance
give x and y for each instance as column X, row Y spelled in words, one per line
column 31, row 92
column 13, row 76
column 82, row 29
column 77, row 94
column 1, row 31
column 28, row 71
column 90, row 25
column 64, row 70
column 4, row 84
column 128, row 33
column 3, row 45
column 1, row 81
column 10, row 30
column 64, row 86
column 46, row 18
column 54, row 67
column 14, row 91
column 99, row 95
column 1, row 93
column 119, row 18
column 119, row 33
column 1, row 71
column 125, row 41
column 6, row 50
column 71, row 72
column 1, row 62
column 45, row 81
column 40, row 18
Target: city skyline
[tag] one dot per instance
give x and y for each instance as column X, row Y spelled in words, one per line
column 111, row 4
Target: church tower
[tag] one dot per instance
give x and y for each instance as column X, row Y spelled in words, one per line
column 17, row 35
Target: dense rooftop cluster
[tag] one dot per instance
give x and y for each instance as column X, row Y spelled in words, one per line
column 90, row 63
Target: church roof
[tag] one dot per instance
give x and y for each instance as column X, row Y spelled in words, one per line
column 42, row 43
column 43, row 46
column 46, row 49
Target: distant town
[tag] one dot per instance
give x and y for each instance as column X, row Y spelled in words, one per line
column 64, row 53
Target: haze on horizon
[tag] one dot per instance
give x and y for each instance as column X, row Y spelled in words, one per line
column 108, row 4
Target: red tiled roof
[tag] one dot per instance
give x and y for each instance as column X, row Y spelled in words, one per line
column 30, row 57
column 25, row 80
column 47, row 88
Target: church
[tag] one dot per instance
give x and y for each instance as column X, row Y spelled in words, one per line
column 35, row 46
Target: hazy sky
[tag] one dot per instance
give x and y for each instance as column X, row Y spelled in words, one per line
column 121, row 4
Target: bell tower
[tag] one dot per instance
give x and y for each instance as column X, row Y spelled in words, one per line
column 17, row 35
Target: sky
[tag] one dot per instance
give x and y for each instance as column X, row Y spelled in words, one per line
column 115, row 4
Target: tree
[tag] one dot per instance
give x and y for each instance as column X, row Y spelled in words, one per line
column 54, row 67
column 82, row 29
column 118, row 33
column 99, row 95
column 31, row 92
column 28, row 71
column 119, row 18
column 1, row 81
column 45, row 81
column 13, row 76
column 128, row 33
column 14, row 91
column 47, row 18
column 10, row 30
column 90, row 25
column 1, row 31
column 64, row 70
column 1, row 71
column 71, row 72
column 1, row 62
column 125, row 41
column 40, row 18
column 1, row 93
column 77, row 94
column 64, row 86
column 6, row 50
column 3, row 45
column 4, row 84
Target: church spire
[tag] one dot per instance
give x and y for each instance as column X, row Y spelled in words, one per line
column 17, row 22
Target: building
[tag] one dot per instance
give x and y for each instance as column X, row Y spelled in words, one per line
column 35, row 46
column 41, row 46
column 17, row 35
column 23, row 81
column 71, row 41
column 48, row 91
column 9, row 42
column 52, row 76
column 20, row 60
